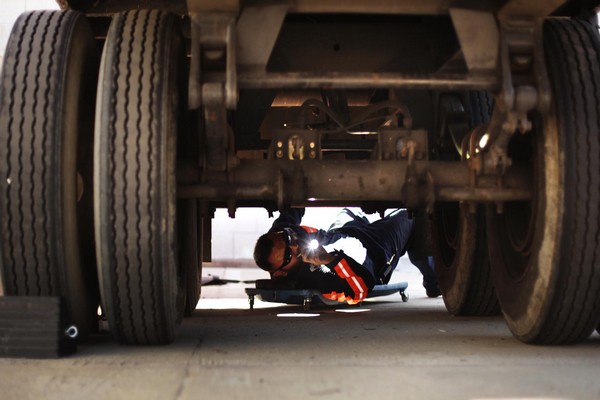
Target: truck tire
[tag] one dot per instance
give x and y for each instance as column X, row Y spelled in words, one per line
column 46, row 122
column 137, row 121
column 480, row 107
column 458, row 236
column 462, row 261
column 545, row 253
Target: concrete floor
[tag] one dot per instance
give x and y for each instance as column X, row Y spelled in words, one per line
column 385, row 349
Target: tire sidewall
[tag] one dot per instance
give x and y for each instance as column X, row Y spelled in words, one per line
column 82, row 61
column 453, row 277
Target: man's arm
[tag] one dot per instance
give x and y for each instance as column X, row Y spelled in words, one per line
column 290, row 217
column 343, row 279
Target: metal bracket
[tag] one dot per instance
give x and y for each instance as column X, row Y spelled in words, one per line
column 213, row 57
column 215, row 123
column 257, row 30
column 213, row 82
column 396, row 144
column 296, row 145
column 521, row 57
column 476, row 30
column 304, row 144
column 418, row 189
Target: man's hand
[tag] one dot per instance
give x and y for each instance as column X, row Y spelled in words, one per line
column 318, row 256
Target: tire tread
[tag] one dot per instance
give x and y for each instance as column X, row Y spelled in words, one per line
column 140, row 310
column 32, row 201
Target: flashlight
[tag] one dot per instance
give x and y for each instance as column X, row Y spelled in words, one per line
column 313, row 245
column 309, row 247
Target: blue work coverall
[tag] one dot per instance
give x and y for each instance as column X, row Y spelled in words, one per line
column 345, row 279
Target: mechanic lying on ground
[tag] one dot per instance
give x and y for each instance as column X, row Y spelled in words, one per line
column 347, row 260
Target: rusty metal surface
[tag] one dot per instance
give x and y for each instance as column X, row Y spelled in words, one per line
column 478, row 34
column 407, row 7
column 257, row 30
column 213, row 49
column 351, row 182
column 245, row 47
column 215, row 124
column 534, row 8
column 332, row 80
column 429, row 7
column 202, row 6
column 105, row 7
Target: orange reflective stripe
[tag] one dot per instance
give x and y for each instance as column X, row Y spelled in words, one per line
column 356, row 282
column 309, row 229
column 331, row 296
column 341, row 297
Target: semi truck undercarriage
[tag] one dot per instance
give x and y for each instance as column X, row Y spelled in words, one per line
column 124, row 124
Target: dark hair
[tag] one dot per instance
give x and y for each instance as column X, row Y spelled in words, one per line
column 262, row 251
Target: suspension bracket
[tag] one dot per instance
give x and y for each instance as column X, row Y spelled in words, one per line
column 213, row 82
column 524, row 88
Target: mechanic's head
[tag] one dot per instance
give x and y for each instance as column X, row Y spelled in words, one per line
column 277, row 252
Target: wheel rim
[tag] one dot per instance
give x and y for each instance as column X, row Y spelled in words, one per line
column 518, row 225
column 448, row 232
column 518, row 220
column 516, row 236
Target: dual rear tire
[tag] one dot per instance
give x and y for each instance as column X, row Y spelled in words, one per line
column 545, row 253
column 62, row 188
